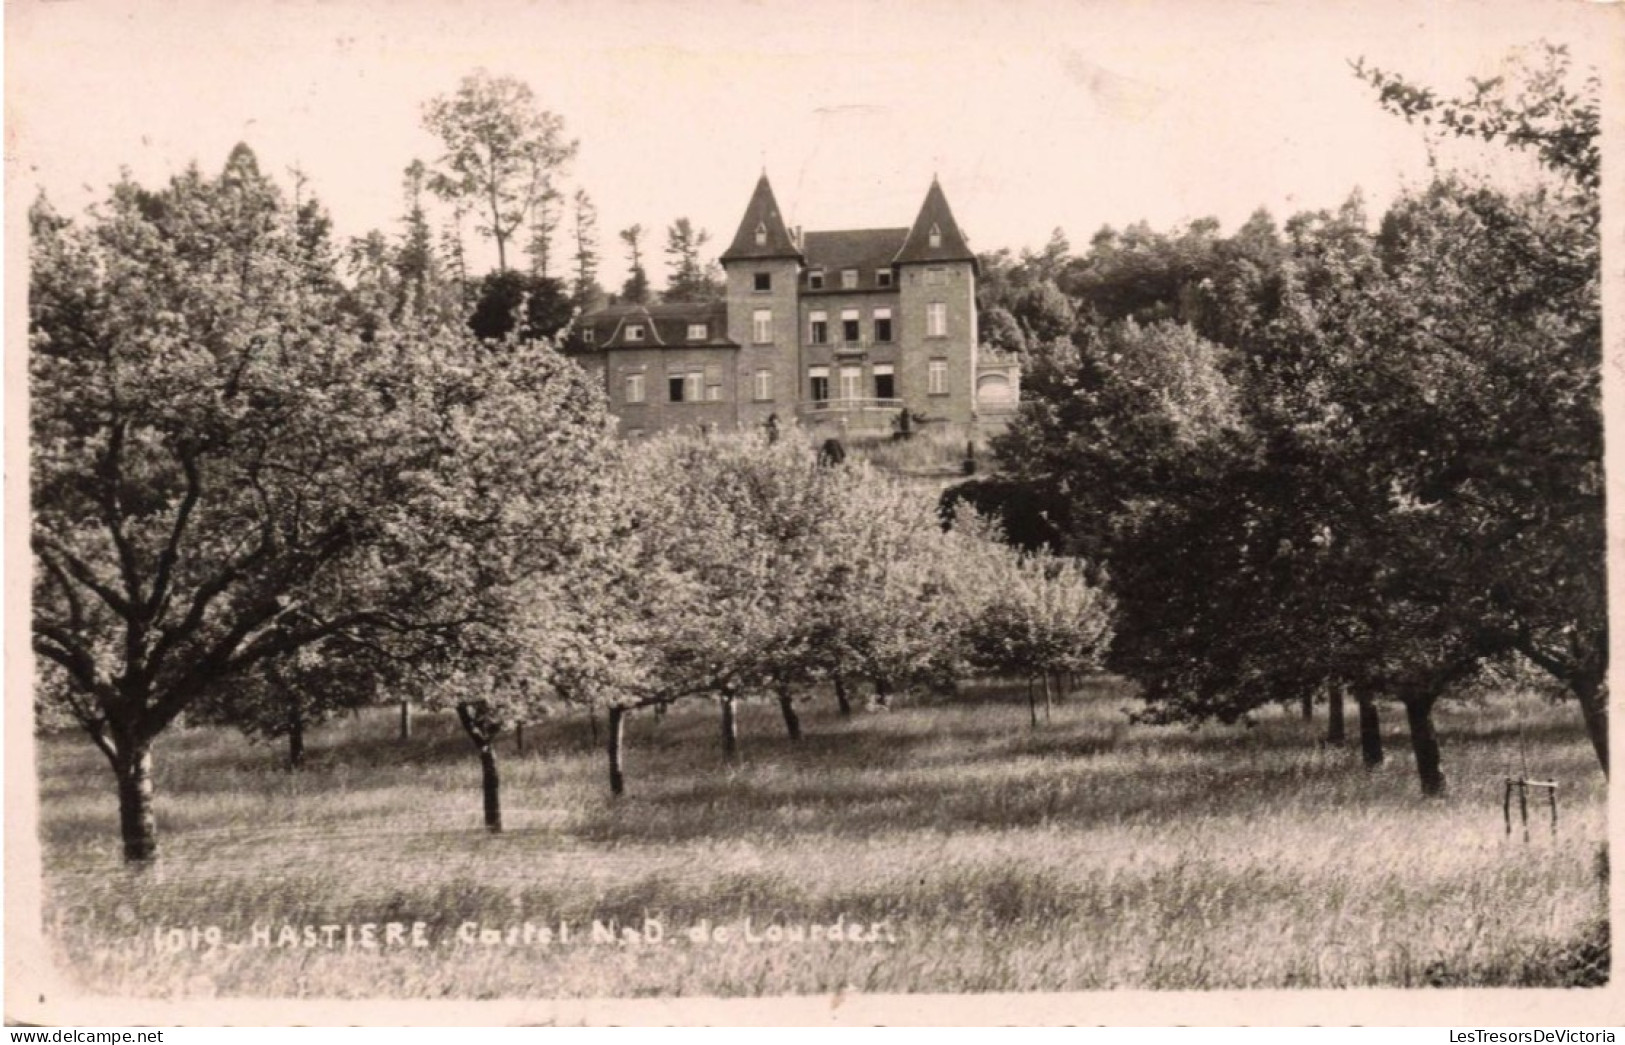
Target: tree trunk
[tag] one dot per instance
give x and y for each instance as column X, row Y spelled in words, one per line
column 1032, row 702
column 491, row 787
column 406, row 720
column 1336, row 729
column 483, row 734
column 841, row 698
column 296, row 738
column 1308, row 700
column 792, row 721
column 519, row 737
column 1594, row 710
column 1047, row 700
column 1425, row 744
column 617, row 778
column 137, row 825
column 1370, row 731
column 730, row 728
column 883, row 693
column 592, row 720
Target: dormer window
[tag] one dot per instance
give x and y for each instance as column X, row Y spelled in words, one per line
column 764, row 281
column 936, row 236
column 761, row 234
column 815, row 279
column 634, row 332
column 882, row 277
column 586, row 335
column 849, row 279
column 696, row 331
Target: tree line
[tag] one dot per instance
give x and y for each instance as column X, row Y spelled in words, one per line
column 1336, row 459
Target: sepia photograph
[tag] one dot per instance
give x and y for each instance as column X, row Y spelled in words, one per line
column 756, row 512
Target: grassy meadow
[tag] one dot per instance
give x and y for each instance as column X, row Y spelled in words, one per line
column 975, row 853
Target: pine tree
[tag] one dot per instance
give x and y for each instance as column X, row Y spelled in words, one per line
column 586, row 289
column 636, row 288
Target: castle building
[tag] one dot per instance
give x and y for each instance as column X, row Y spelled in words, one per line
column 842, row 332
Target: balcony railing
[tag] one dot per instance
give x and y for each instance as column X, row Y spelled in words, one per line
column 846, row 407
column 843, row 347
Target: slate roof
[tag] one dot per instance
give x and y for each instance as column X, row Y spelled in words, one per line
column 935, row 212
column 867, row 250
column 665, row 326
column 763, row 212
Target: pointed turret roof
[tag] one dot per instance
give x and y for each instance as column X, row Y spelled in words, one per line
column 762, row 233
column 935, row 235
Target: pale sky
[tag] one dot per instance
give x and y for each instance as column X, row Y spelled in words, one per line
column 1034, row 114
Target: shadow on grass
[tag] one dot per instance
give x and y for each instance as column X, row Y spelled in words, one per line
column 955, row 766
column 673, row 807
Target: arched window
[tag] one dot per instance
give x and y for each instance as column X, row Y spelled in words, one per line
column 994, row 390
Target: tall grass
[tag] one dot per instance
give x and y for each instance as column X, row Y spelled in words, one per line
column 1087, row 854
column 935, row 451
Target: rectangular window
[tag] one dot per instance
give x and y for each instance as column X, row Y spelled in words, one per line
column 815, row 279
column 819, row 376
column 882, row 324
column 634, row 388
column 849, row 279
column 689, row 387
column 634, row 332
column 936, row 319
column 819, row 334
column 586, row 335
column 882, row 277
column 713, row 392
column 849, row 326
column 761, row 326
column 939, row 377
column 764, row 281
column 764, row 385
column 851, row 381
column 885, row 382
column 936, row 277
column 697, row 331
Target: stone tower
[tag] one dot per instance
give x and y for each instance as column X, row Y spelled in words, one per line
column 763, row 266
column 936, row 276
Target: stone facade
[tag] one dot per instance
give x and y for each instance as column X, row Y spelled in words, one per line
column 838, row 331
column 772, row 349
